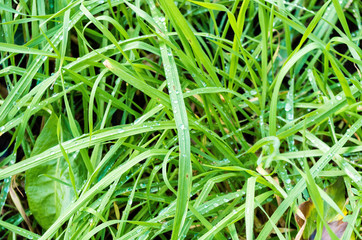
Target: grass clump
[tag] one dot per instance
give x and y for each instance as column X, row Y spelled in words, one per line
column 180, row 119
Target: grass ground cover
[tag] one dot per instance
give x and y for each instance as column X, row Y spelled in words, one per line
column 180, row 119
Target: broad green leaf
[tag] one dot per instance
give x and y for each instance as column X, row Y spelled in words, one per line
column 47, row 197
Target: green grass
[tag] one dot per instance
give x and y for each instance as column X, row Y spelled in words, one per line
column 179, row 119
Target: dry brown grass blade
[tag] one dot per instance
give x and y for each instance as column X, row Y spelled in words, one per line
column 301, row 219
column 16, row 200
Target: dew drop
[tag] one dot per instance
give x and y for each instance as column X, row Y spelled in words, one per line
column 253, row 92
column 288, row 106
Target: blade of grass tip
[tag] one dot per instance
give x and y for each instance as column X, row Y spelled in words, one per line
column 343, row 81
column 3, row 7
column 330, row 202
column 116, row 24
column 56, row 179
column 317, row 168
column 164, row 170
column 249, row 208
column 108, row 108
column 13, row 48
column 50, row 43
column 342, row 17
column 353, row 48
column 91, row 100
